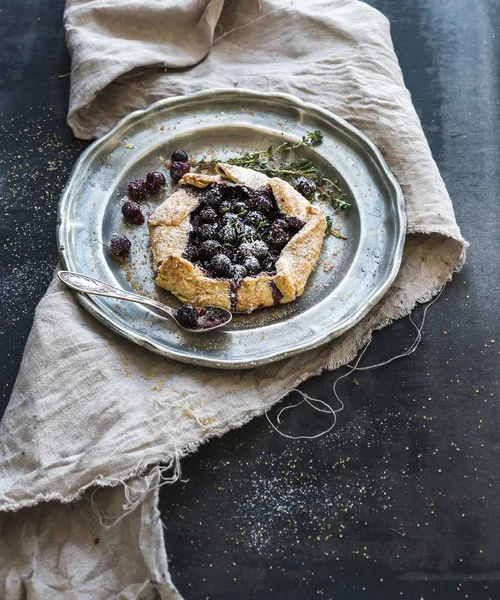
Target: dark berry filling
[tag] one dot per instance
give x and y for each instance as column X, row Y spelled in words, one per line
column 120, row 246
column 238, row 232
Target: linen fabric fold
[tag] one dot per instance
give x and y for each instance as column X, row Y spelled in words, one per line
column 92, row 409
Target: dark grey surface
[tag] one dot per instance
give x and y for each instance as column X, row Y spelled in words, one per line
column 406, row 487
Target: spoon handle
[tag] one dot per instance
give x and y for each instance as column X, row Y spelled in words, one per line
column 89, row 285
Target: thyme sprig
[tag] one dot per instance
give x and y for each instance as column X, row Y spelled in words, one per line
column 267, row 162
column 331, row 231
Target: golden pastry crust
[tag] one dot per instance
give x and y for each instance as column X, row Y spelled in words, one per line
column 169, row 225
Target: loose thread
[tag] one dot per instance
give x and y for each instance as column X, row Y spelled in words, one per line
column 310, row 401
column 133, row 498
column 245, row 25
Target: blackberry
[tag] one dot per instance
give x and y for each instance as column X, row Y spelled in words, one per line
column 211, row 197
column 178, row 170
column 138, row 189
column 251, row 265
column 239, row 272
column 229, row 218
column 206, row 232
column 295, row 224
column 260, row 249
column 278, row 238
column 187, row 315
column 155, row 181
column 239, row 208
column 225, row 206
column 191, row 253
column 249, row 233
column 306, row 187
column 228, row 235
column 208, row 215
column 254, row 218
column 221, row 266
column 120, row 245
column 262, row 203
column 131, row 211
column 179, row 156
column 209, row 249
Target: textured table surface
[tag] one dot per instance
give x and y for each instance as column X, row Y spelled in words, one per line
column 401, row 499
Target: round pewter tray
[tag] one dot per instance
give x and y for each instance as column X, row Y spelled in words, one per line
column 351, row 275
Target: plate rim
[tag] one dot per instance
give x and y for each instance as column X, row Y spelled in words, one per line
column 205, row 360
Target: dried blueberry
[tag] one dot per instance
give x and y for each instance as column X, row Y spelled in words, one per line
column 120, row 245
column 191, row 253
column 209, row 249
column 208, row 215
column 228, row 235
column 221, row 266
column 138, row 189
column 255, row 218
column 155, row 181
column 278, row 238
column 239, row 272
column 179, row 156
column 132, row 213
column 295, row 224
column 187, row 316
column 178, row 169
column 206, row 232
column 306, row 187
column 251, row 265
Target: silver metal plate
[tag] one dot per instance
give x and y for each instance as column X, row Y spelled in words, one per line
column 351, row 275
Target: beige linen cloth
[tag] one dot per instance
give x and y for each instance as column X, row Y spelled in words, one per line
column 91, row 409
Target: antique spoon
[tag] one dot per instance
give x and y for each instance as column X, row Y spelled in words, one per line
column 207, row 318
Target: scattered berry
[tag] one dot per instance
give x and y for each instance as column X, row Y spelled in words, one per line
column 179, row 156
column 155, row 181
column 132, row 213
column 306, row 187
column 178, row 169
column 138, row 189
column 187, row 316
column 120, row 246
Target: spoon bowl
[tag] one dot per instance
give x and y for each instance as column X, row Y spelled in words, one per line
column 209, row 317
